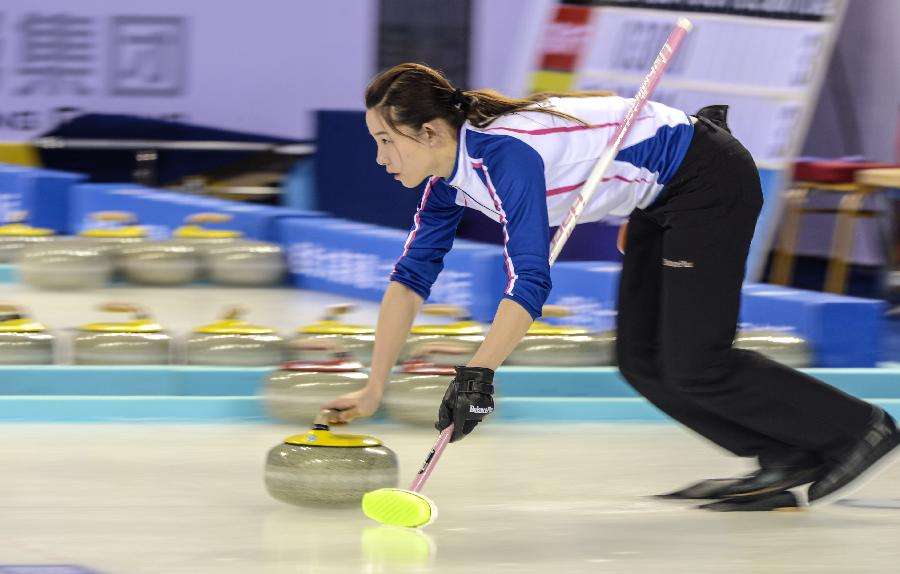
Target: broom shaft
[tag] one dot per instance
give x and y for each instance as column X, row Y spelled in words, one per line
column 670, row 47
column 431, row 460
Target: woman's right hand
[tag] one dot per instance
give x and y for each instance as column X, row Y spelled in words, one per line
column 358, row 404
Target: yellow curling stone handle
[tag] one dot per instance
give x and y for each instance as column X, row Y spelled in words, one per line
column 208, row 217
column 320, row 435
column 194, row 230
column 115, row 307
column 555, row 311
column 332, row 312
column 441, row 310
column 114, row 216
column 232, row 323
column 17, row 321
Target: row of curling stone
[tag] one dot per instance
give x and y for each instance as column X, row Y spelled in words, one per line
column 120, row 248
column 139, row 340
column 544, row 345
column 456, row 341
column 320, row 467
column 297, row 389
column 332, row 364
column 551, row 345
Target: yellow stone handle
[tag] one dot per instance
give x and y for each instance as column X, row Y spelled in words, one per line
column 440, row 310
column 124, row 308
column 424, row 349
column 208, row 217
column 17, row 216
column 314, row 345
column 325, row 417
column 114, row 216
column 10, row 308
column 332, row 312
column 555, row 311
column 234, row 313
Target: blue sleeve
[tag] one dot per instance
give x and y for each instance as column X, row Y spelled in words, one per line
column 514, row 174
column 431, row 237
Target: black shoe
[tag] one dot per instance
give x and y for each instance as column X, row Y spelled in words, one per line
column 879, row 447
column 782, row 501
column 767, row 480
column 705, row 489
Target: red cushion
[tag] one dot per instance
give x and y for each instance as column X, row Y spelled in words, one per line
column 832, row 171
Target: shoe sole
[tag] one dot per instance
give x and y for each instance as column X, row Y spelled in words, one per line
column 783, row 501
column 815, row 474
column 774, row 489
column 861, row 480
column 679, row 494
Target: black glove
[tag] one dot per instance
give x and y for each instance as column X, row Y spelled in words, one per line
column 467, row 401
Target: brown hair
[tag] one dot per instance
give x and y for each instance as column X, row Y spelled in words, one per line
column 412, row 94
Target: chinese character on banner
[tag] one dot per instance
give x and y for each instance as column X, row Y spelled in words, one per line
column 565, row 41
column 148, row 55
column 57, row 52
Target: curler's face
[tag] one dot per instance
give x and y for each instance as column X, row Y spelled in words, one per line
column 407, row 155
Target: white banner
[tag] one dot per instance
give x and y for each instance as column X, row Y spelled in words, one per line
column 247, row 66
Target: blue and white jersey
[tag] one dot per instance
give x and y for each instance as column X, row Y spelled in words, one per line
column 523, row 170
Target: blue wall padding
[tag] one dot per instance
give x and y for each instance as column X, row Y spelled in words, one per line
column 589, row 290
column 43, row 193
column 349, row 183
column 356, row 259
column 843, row 331
column 163, row 211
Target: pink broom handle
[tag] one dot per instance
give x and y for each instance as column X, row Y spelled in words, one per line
column 431, row 460
column 640, row 98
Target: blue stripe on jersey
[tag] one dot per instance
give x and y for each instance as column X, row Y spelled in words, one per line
column 431, row 237
column 662, row 153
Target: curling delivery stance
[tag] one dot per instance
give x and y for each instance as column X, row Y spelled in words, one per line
column 691, row 194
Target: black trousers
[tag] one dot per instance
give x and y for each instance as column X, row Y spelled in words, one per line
column 679, row 298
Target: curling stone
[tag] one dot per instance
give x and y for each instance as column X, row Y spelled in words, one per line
column 414, row 394
column 195, row 235
column 546, row 345
column 444, row 344
column 15, row 234
column 246, row 264
column 782, row 346
column 232, row 341
column 296, row 391
column 162, row 263
column 326, row 339
column 320, row 467
column 23, row 341
column 139, row 341
column 115, row 230
column 227, row 258
column 65, row 264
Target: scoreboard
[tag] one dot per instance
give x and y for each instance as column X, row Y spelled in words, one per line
column 764, row 58
column 766, row 68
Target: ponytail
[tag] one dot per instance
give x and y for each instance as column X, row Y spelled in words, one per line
column 413, row 94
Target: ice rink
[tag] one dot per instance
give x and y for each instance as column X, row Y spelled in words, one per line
column 149, row 498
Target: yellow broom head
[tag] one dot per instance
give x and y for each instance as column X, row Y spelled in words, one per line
column 399, row 507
